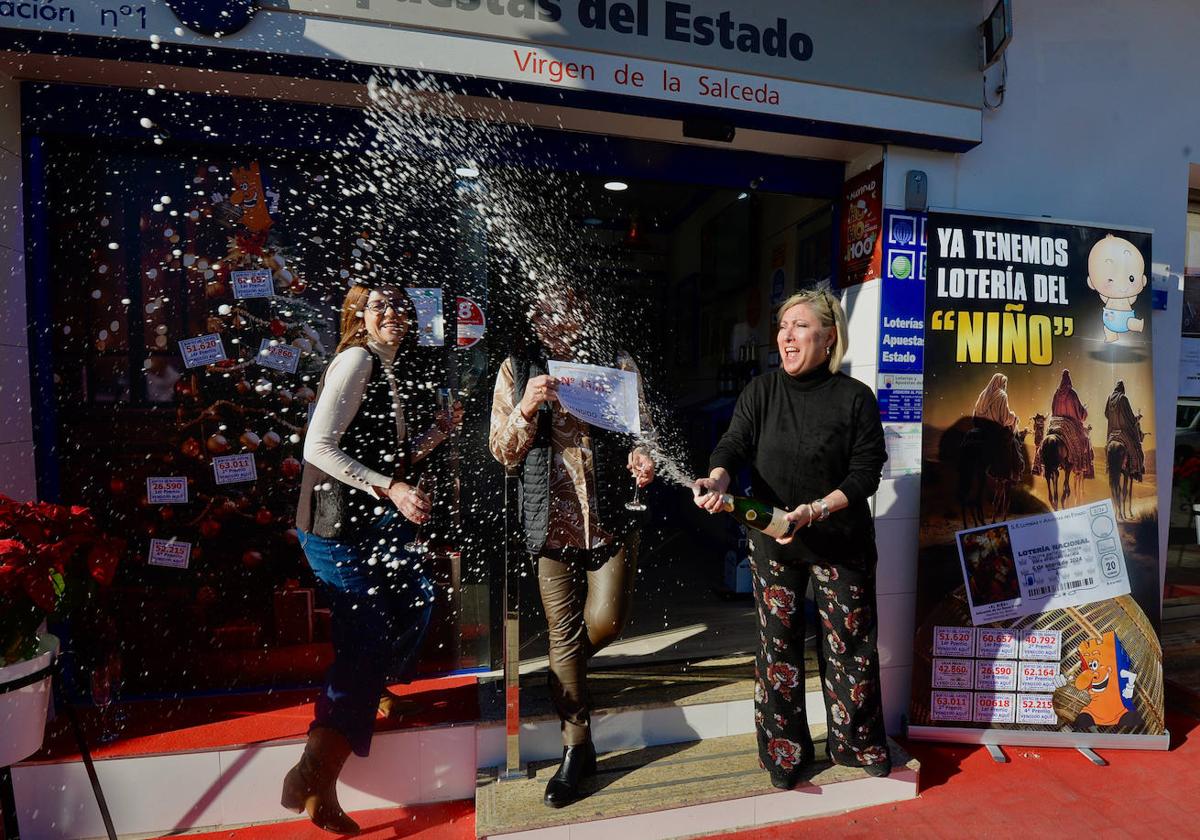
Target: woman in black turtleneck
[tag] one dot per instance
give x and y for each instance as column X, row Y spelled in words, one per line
column 813, row 441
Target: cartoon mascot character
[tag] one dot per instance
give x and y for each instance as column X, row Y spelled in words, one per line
column 1108, row 679
column 249, row 195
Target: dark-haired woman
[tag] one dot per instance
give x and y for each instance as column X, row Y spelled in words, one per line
column 353, row 520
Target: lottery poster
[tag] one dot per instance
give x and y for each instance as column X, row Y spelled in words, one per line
column 1037, row 578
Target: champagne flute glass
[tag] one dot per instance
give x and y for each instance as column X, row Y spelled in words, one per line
column 103, row 689
column 635, row 504
column 419, row 544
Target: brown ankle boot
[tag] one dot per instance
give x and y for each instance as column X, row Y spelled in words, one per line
column 311, row 785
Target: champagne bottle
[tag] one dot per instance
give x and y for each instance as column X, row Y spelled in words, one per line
column 762, row 517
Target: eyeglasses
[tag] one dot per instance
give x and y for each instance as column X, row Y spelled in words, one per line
column 380, row 307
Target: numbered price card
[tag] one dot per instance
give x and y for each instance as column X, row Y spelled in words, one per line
column 995, row 708
column 952, row 673
column 1038, row 676
column 1042, row 645
column 256, row 283
column 170, row 553
column 996, row 675
column 167, row 490
column 233, row 469
column 277, row 356
column 996, row 644
column 952, row 706
column 953, row 641
column 202, row 350
column 1036, row 709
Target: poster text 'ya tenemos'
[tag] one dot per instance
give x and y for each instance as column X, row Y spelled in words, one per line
column 1013, row 268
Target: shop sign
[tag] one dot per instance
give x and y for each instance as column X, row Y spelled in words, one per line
column 431, row 323
column 899, row 386
column 804, row 64
column 214, row 17
column 862, row 221
column 923, row 49
column 470, row 322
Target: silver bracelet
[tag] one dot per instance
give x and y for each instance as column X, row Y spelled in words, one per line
column 824, row 509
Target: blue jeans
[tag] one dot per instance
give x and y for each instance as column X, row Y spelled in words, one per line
column 379, row 615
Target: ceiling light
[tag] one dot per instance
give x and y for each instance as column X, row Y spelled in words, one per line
column 616, row 186
column 467, row 172
column 592, row 221
column 742, row 196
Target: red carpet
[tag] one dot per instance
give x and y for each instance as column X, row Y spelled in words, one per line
column 443, row 821
column 1039, row 793
column 214, row 722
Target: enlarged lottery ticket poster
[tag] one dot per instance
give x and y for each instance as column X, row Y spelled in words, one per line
column 1037, row 579
column 1030, row 565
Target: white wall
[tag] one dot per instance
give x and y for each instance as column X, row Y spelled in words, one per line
column 17, row 478
column 1097, row 125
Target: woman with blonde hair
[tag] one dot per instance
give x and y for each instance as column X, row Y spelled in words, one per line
column 813, row 441
column 356, row 503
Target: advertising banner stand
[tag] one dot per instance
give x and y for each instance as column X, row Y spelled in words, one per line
column 1038, row 590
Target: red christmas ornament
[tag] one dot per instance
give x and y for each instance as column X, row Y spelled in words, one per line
column 167, row 514
column 290, row 468
column 184, row 387
column 209, row 528
column 191, row 448
column 277, row 328
column 264, row 517
column 116, row 485
column 272, row 439
column 243, row 387
column 217, row 444
column 252, row 559
column 297, row 285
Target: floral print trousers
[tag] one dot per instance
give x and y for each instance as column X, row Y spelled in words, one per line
column 847, row 655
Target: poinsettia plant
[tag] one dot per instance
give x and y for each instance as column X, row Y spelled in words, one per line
column 52, row 559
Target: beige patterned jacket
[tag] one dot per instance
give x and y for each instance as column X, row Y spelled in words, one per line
column 574, row 519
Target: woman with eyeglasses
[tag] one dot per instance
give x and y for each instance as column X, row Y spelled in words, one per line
column 354, row 516
column 814, row 444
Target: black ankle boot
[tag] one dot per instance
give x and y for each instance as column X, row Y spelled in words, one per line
column 883, row 768
column 578, row 762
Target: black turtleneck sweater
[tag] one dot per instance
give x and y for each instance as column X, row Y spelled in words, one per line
column 802, row 438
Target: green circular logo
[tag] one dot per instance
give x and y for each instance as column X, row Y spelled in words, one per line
column 901, row 267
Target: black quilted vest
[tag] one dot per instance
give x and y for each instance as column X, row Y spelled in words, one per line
column 613, row 482
column 338, row 510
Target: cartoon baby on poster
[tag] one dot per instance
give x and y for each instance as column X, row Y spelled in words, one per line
column 1117, row 272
